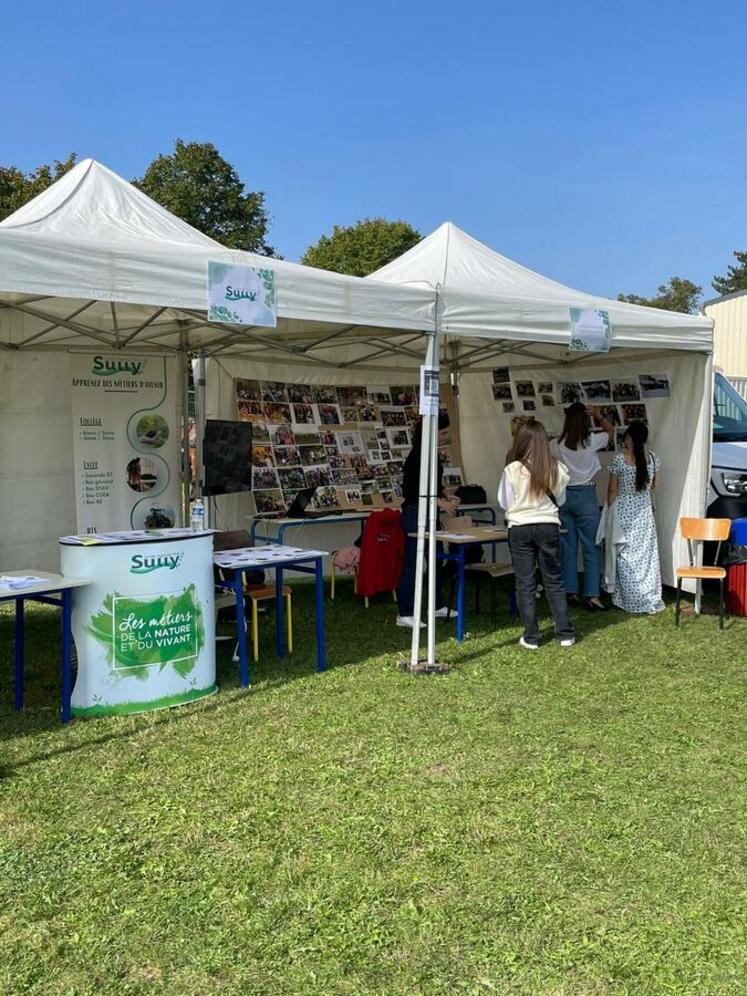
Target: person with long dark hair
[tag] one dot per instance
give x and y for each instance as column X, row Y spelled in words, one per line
column 634, row 474
column 578, row 448
column 532, row 487
column 410, row 502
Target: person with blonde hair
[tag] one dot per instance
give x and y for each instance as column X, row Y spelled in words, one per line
column 531, row 489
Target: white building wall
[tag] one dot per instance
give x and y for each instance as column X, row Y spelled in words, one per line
column 729, row 316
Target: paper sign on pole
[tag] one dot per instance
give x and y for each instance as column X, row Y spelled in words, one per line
column 429, row 388
column 590, row 330
column 241, row 295
column 125, row 441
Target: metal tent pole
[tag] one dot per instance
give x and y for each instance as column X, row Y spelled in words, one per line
column 425, row 453
column 186, row 473
column 200, row 394
column 433, row 511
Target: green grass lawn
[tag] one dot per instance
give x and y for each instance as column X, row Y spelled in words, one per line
column 554, row 823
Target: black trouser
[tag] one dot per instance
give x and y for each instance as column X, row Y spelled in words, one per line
column 532, row 545
column 406, row 587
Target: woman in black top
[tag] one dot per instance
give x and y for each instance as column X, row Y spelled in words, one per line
column 410, row 500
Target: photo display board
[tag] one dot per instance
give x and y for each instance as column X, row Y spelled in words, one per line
column 348, row 442
column 620, row 401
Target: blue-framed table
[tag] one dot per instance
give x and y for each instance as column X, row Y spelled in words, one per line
column 479, row 536
column 278, row 558
column 56, row 590
column 343, row 518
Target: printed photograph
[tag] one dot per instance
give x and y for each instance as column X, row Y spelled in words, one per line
column 398, row 437
column 500, row 375
column 524, row 388
column 349, row 413
column 528, row 405
column 328, row 437
column 391, row 417
column 508, row 407
column 280, row 435
column 352, row 496
column 654, row 385
column 273, row 390
column 344, row 475
column 396, row 468
column 307, row 437
column 330, row 450
column 379, row 395
column 251, row 411
column 334, row 459
column 248, row 390
column 350, row 442
column 269, row 501
column 325, row 498
column 142, row 474
column 324, row 395
column 291, row 478
column 311, row 455
column 633, row 413
column 261, row 434
column 278, row 414
column 453, row 476
column 264, row 477
column 625, row 390
column 351, row 395
column 547, row 400
column 357, row 462
column 502, row 392
column 404, row 395
column 368, row 413
column 303, row 415
column 318, row 477
column 301, row 394
column 329, row 414
column 412, row 415
column 611, row 413
column 287, row 456
column 152, row 431
column 263, row 456
column 545, row 387
column 570, row 393
column 597, row 391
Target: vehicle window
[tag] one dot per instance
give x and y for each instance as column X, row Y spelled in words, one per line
column 729, row 412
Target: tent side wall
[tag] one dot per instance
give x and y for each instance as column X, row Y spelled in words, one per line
column 680, row 433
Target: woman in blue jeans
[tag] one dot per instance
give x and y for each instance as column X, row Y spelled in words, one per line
column 578, row 448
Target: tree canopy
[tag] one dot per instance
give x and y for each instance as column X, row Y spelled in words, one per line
column 198, row 185
column 736, row 276
column 677, row 295
column 17, row 187
column 361, row 248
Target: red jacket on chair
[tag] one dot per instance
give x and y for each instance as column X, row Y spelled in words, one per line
column 382, row 552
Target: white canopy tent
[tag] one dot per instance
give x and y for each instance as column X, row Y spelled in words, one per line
column 92, row 263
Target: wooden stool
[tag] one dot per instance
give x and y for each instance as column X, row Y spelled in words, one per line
column 257, row 593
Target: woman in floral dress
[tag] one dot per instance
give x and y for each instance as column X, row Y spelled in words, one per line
column 633, row 477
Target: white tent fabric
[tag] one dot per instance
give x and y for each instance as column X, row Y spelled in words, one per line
column 92, row 241
column 486, row 295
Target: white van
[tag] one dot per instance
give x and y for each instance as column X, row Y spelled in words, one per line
column 727, row 493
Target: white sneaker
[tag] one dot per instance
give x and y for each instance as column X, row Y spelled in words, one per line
column 528, row 646
column 443, row 612
column 568, row 641
column 408, row 622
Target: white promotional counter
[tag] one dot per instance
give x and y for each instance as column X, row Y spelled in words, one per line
column 144, row 627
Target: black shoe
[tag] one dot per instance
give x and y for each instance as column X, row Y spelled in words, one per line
column 573, row 601
column 594, row 607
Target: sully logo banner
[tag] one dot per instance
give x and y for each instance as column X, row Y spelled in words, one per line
column 241, row 295
column 108, row 368
column 142, row 564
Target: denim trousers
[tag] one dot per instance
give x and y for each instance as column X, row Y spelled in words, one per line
column 579, row 516
column 406, row 586
column 533, row 546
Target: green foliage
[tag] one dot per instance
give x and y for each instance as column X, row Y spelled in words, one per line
column 678, row 295
column 362, row 248
column 196, row 183
column 551, row 824
column 17, row 187
column 736, row 276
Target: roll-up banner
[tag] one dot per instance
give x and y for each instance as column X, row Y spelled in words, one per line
column 126, row 441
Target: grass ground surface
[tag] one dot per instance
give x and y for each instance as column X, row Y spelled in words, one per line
column 551, row 823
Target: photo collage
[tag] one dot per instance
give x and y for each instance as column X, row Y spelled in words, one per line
column 350, row 443
column 619, row 401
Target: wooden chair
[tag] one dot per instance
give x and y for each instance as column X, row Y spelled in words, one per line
column 479, row 571
column 703, row 531
column 256, row 593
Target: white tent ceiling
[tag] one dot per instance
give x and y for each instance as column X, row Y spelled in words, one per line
column 93, row 261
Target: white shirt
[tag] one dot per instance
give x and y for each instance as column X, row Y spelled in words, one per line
column 583, row 464
column 520, row 507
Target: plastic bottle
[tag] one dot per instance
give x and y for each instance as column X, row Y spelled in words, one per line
column 197, row 515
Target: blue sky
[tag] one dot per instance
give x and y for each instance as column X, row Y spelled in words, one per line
column 602, row 144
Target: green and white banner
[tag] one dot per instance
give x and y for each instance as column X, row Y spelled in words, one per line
column 125, row 441
column 590, row 330
column 144, row 627
column 241, row 295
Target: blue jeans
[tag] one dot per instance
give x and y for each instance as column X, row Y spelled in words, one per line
column 406, row 586
column 579, row 516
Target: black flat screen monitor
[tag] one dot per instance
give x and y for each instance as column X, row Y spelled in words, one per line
column 227, row 457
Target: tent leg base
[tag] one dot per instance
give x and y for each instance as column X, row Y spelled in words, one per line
column 423, row 667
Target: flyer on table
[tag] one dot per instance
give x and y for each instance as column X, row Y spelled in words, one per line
column 125, row 441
